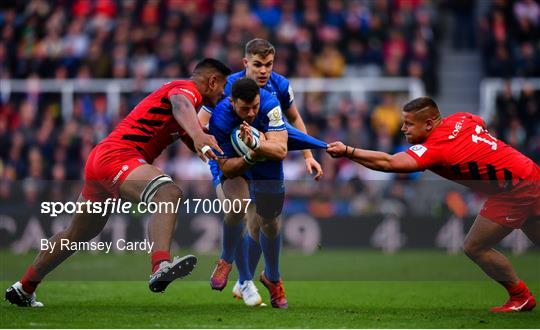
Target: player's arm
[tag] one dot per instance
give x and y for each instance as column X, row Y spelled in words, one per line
column 375, row 160
column 185, row 114
column 233, row 167
column 273, row 147
column 204, row 117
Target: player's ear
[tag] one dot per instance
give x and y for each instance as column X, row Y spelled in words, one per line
column 213, row 81
column 429, row 124
column 245, row 62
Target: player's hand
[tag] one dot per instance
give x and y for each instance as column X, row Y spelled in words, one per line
column 204, row 143
column 336, row 149
column 246, row 134
column 313, row 166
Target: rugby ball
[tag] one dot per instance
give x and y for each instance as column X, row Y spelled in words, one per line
column 238, row 145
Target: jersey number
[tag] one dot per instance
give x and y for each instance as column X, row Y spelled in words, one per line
column 475, row 138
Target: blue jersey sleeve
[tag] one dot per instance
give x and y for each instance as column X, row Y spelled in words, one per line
column 284, row 91
column 220, row 128
column 272, row 116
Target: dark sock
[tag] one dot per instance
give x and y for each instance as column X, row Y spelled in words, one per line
column 270, row 248
column 232, row 235
column 242, row 261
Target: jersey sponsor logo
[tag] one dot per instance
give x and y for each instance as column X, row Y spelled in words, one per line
column 456, row 130
column 122, row 170
column 418, row 149
column 511, row 219
column 275, row 117
column 187, row 91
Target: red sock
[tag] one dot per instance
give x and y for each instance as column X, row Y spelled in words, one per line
column 158, row 257
column 516, row 289
column 30, row 280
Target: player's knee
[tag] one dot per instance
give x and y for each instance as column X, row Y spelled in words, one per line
column 233, row 218
column 270, row 227
column 168, row 193
column 161, row 189
column 253, row 229
column 471, row 249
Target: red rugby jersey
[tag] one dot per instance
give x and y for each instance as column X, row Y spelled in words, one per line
column 151, row 126
column 461, row 149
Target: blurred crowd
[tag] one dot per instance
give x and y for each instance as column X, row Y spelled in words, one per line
column 517, row 119
column 510, row 39
column 165, row 38
column 510, row 45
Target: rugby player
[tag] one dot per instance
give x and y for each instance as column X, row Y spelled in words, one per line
column 258, row 63
column 120, row 166
column 459, row 148
column 247, row 177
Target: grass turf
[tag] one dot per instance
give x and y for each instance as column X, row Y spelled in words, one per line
column 330, row 289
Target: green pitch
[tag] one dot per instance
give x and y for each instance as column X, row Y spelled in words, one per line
column 329, row 289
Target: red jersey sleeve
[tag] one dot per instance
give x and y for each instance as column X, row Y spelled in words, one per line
column 426, row 155
column 189, row 91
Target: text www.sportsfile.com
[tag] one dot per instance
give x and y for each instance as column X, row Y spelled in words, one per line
column 117, row 205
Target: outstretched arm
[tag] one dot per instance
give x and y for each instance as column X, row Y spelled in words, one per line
column 186, row 116
column 375, row 160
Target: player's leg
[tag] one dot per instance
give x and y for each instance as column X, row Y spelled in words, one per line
column 235, row 190
column 479, row 247
column 268, row 216
column 244, row 288
column 84, row 227
column 147, row 183
column 252, row 240
column 248, row 250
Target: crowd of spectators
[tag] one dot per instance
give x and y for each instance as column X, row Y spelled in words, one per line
column 510, row 39
column 510, row 45
column 164, row 38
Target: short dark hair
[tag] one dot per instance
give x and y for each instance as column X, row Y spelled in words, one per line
column 423, row 104
column 419, row 104
column 259, row 47
column 245, row 89
column 212, row 64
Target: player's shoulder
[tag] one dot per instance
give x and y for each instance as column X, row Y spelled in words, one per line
column 180, row 82
column 183, row 86
column 268, row 100
column 280, row 81
column 235, row 76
